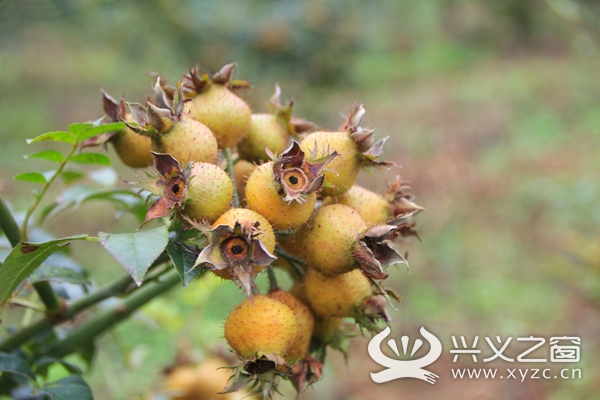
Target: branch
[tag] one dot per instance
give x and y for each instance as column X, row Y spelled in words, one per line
column 236, row 197
column 117, row 313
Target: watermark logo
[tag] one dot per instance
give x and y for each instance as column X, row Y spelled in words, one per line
column 397, row 369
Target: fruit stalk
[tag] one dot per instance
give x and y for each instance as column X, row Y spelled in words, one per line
column 115, row 314
column 236, row 198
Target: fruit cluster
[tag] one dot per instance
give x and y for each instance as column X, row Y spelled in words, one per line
column 266, row 192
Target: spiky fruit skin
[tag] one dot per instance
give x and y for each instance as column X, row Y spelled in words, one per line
column 342, row 171
column 267, row 130
column 265, row 196
column 371, row 206
column 328, row 242
column 305, row 320
column 227, row 115
column 133, row 149
column 265, row 232
column 201, row 382
column 267, row 327
column 188, row 140
column 241, row 171
column 210, row 192
column 337, row 296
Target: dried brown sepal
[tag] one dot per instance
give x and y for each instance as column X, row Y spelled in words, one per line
column 236, row 249
column 298, row 176
column 295, row 126
column 374, row 311
column 168, row 181
column 114, row 112
column 306, row 372
column 195, row 82
column 261, row 373
column 400, row 198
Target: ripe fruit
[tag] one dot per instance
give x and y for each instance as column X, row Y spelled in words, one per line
column 329, row 242
column 184, row 138
column 271, row 130
column 200, row 382
column 133, row 150
column 216, row 106
column 356, row 148
column 201, row 191
column 372, row 207
column 261, row 327
column 284, row 190
column 304, row 318
column 241, row 245
column 241, row 171
column 341, row 295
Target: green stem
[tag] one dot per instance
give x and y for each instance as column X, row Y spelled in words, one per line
column 236, row 198
column 11, row 230
column 39, row 197
column 272, row 280
column 8, row 224
column 115, row 288
column 117, row 313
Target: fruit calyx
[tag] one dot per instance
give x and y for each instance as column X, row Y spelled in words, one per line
column 114, row 111
column 295, row 126
column 236, row 248
column 195, row 82
column 374, row 310
column 262, row 372
column 363, row 138
column 400, row 199
column 160, row 114
column 306, row 372
column 373, row 251
column 298, row 176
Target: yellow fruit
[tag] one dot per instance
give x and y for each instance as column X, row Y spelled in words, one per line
column 328, row 243
column 372, row 207
column 267, row 130
column 337, row 296
column 133, row 150
column 187, row 140
column 260, row 327
column 305, row 320
column 326, row 328
column 226, row 115
column 265, row 196
column 342, row 171
column 210, row 192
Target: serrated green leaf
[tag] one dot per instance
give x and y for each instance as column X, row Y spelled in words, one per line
column 24, row 258
column 15, row 365
column 70, row 176
column 58, row 136
column 49, row 155
column 34, row 177
column 90, row 158
column 98, row 130
column 136, row 251
column 70, row 388
column 57, row 274
column 184, row 259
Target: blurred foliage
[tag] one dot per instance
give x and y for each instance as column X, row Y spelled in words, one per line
column 493, row 108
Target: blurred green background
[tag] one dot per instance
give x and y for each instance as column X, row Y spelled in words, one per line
column 492, row 107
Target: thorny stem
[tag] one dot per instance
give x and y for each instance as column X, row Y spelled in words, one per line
column 116, row 288
column 115, row 314
column 236, row 198
column 39, row 196
column 11, row 230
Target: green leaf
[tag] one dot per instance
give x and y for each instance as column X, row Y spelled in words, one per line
column 46, row 361
column 184, row 259
column 50, row 155
column 15, row 365
column 70, row 176
column 98, row 130
column 91, row 158
column 34, row 177
column 136, row 251
column 58, row 136
column 23, row 259
column 57, row 274
column 70, row 388
column 79, row 127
